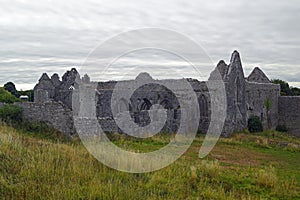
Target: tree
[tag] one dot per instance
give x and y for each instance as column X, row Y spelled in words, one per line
column 295, row 91
column 29, row 93
column 285, row 89
column 10, row 86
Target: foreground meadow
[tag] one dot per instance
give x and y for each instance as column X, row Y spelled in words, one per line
column 244, row 166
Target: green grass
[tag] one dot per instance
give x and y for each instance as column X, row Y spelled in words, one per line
column 245, row 166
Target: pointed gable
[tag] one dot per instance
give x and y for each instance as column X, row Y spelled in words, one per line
column 235, row 64
column 258, row 76
column 223, row 68
column 44, row 77
column 44, row 83
column 55, row 80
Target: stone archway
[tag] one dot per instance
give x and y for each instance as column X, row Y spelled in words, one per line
column 166, row 104
column 145, row 105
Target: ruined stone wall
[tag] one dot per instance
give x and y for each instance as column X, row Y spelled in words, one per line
column 233, row 77
column 55, row 90
column 289, row 113
column 245, row 96
column 256, row 96
column 143, row 99
column 204, row 101
column 54, row 114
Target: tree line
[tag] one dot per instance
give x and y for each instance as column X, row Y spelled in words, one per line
column 286, row 89
column 10, row 87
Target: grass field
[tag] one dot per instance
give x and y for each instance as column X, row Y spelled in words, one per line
column 244, row 166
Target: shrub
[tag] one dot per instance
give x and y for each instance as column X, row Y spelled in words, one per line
column 7, row 97
column 282, row 128
column 11, row 113
column 254, row 124
column 35, row 127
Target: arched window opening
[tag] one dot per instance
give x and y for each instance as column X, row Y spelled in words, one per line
column 238, row 91
column 203, row 106
column 166, row 104
column 145, row 105
column 176, row 112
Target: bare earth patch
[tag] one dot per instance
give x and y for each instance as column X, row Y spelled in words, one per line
column 238, row 155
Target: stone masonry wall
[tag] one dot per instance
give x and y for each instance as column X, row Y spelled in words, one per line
column 256, row 97
column 244, row 96
column 142, row 100
column 54, row 114
column 289, row 113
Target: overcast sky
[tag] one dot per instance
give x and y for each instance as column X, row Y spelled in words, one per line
column 39, row 36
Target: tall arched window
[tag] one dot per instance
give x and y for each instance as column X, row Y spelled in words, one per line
column 176, row 112
column 166, row 104
column 203, row 106
column 238, row 90
column 145, row 105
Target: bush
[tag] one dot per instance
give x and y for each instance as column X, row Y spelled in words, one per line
column 35, row 127
column 7, row 97
column 10, row 113
column 254, row 124
column 281, row 128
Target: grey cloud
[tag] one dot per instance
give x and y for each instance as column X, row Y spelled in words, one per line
column 266, row 32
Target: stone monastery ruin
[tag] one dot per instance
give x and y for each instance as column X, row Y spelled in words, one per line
column 246, row 96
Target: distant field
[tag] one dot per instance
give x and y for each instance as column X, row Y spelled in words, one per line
column 245, row 166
